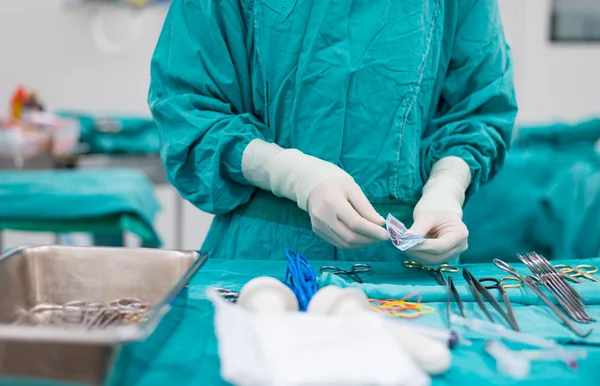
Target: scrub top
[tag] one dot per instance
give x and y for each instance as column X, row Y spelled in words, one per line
column 381, row 89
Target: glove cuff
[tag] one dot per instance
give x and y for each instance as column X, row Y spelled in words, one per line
column 257, row 156
column 445, row 190
column 287, row 173
column 294, row 175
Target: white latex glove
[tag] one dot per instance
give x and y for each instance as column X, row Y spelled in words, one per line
column 339, row 211
column 438, row 214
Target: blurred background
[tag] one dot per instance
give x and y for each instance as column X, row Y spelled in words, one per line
column 77, row 74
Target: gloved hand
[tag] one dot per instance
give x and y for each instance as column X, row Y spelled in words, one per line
column 339, row 211
column 438, row 214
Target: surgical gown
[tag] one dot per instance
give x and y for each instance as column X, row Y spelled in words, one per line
column 383, row 89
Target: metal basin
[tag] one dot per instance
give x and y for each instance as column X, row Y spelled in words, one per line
column 57, row 275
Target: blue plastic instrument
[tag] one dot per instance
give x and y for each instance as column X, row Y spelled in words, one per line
column 301, row 278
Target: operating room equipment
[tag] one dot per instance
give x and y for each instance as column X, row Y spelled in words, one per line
column 436, row 273
column 93, row 315
column 126, row 310
column 449, row 337
column 501, row 332
column 396, row 232
column 54, row 276
column 568, row 356
column 529, row 282
column 452, row 338
column 501, row 287
column 475, row 292
column 300, row 277
column 508, row 362
column 566, row 295
column 353, row 272
column 453, row 293
column 478, row 290
column 227, row 294
column 550, row 277
column 581, row 270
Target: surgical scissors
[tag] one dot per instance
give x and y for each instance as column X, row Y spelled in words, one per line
column 228, row 294
column 529, row 282
column 568, row 298
column 581, row 270
column 501, row 287
column 351, row 273
column 436, row 273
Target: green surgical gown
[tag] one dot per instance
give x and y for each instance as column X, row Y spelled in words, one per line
column 383, row 89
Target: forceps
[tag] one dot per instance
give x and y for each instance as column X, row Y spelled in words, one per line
column 582, row 270
column 529, row 282
column 352, row 273
column 478, row 291
column 452, row 292
column 227, row 294
column 501, row 287
column 129, row 309
column 436, row 273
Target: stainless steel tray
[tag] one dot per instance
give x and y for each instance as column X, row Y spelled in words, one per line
column 59, row 274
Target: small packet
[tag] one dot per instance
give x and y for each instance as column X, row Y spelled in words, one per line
column 396, row 232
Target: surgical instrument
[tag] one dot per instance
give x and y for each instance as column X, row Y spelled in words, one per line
column 74, row 311
column 544, row 270
column 300, row 277
column 451, row 337
column 508, row 362
column 533, row 286
column 501, row 287
column 227, row 294
column 566, row 295
column 476, row 294
column 569, row 357
column 125, row 309
column 581, row 270
column 90, row 315
column 436, row 273
column 501, row 332
column 352, row 273
column 452, row 292
column 479, row 290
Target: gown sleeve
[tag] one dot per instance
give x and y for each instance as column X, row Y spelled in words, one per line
column 201, row 98
column 477, row 107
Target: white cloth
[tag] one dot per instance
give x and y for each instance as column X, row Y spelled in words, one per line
column 293, row 349
column 339, row 211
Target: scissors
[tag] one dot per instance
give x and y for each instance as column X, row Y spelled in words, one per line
column 351, row 273
column 582, row 270
column 228, row 294
column 533, row 285
column 501, row 287
column 436, row 273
